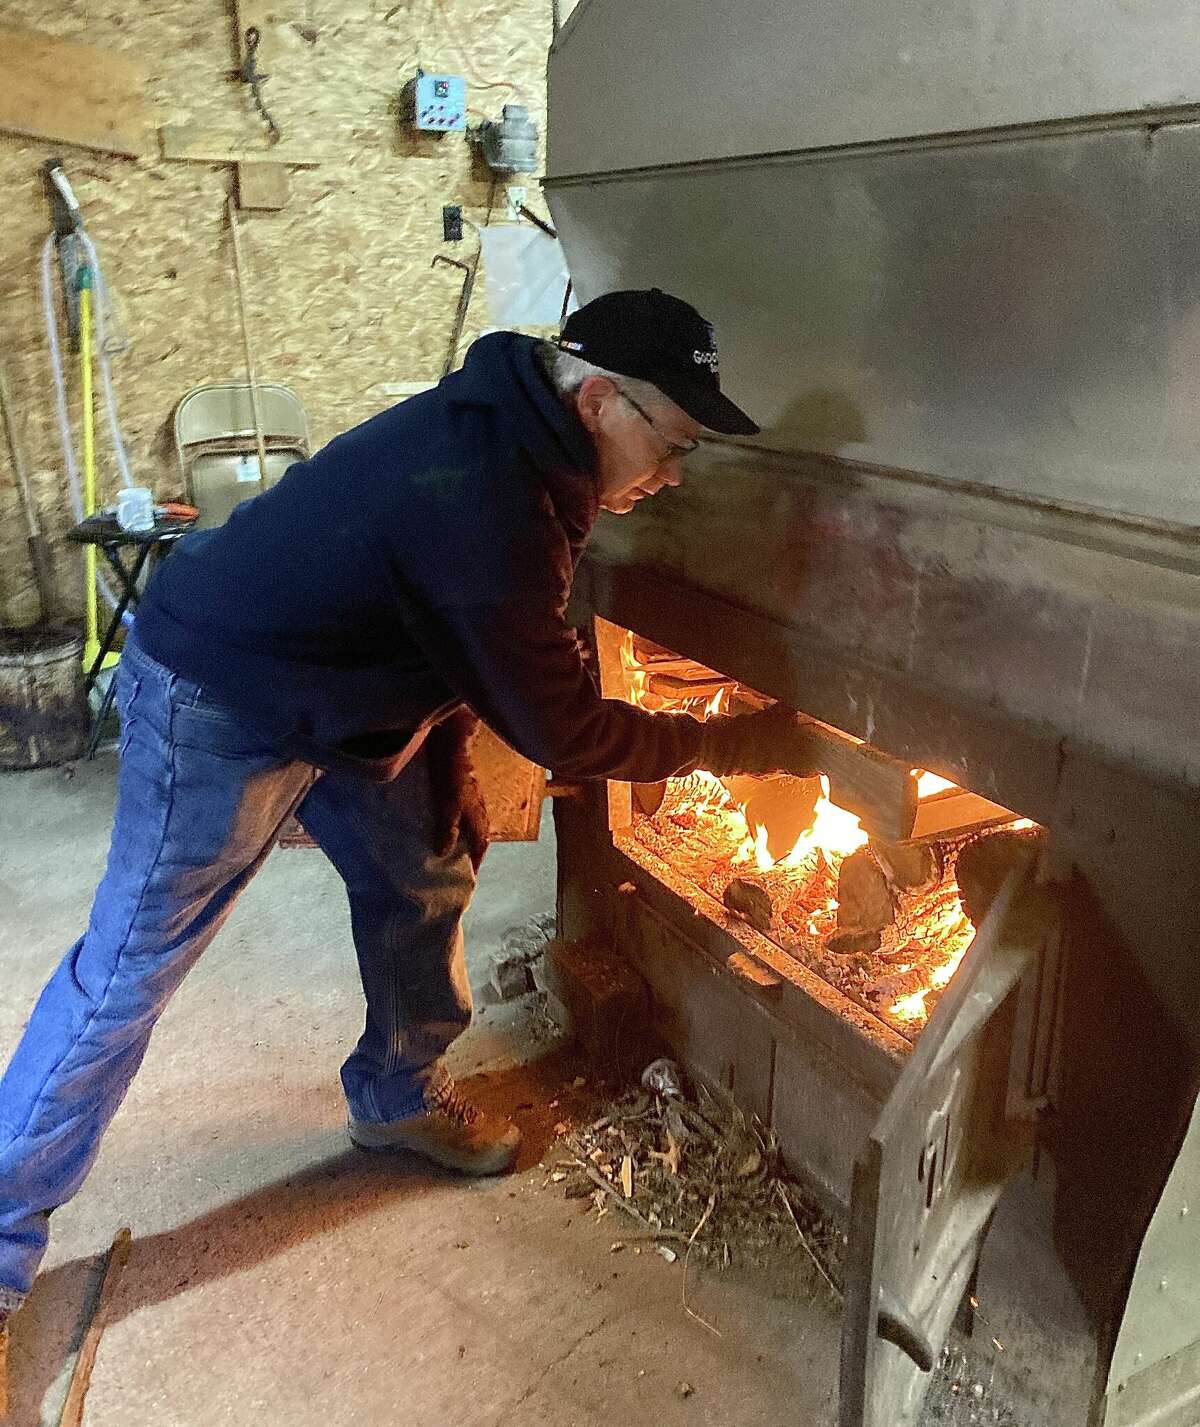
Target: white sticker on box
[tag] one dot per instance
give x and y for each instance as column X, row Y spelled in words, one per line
column 247, row 468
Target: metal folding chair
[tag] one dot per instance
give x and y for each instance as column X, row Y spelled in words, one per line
column 216, row 447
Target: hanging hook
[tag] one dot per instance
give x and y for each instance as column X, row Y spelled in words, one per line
column 251, row 75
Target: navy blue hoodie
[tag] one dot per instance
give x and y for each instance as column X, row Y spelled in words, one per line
column 419, row 561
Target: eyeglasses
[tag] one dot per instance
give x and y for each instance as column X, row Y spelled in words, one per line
column 674, row 451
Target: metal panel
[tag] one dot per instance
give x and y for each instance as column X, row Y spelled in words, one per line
column 932, row 1172
column 1163, row 1314
column 822, row 1116
column 673, row 81
column 717, row 1031
column 1164, row 1395
column 926, row 623
column 1018, row 316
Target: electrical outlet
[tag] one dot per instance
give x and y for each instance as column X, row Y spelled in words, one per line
column 452, row 223
column 515, row 195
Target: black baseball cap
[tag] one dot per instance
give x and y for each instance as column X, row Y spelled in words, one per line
column 662, row 340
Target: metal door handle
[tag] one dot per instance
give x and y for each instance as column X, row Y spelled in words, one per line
column 896, row 1325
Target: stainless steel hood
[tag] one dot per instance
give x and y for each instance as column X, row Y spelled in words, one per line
column 668, row 82
column 959, row 241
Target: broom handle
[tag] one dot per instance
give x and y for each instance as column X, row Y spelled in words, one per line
column 18, row 460
column 235, row 228
column 43, row 574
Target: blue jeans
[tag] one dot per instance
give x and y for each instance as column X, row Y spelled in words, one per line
column 200, row 802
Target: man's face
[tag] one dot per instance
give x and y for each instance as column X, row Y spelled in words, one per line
column 639, row 449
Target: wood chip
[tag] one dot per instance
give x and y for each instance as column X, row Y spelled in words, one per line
column 750, row 1165
column 669, row 1159
column 627, row 1176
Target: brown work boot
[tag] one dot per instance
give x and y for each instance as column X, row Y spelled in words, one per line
column 451, row 1132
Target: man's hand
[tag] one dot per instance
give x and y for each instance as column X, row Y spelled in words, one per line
column 774, row 740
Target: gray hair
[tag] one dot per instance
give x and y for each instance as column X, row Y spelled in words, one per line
column 567, row 374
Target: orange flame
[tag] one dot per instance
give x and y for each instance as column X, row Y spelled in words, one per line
column 835, row 833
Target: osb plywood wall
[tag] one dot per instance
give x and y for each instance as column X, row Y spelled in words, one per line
column 342, row 298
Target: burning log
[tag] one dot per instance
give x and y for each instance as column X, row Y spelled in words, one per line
column 671, row 680
column 677, row 688
column 854, row 943
column 982, row 867
column 878, row 789
column 865, row 901
column 751, row 901
column 909, row 867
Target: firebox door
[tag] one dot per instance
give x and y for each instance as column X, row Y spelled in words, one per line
column 949, row 1139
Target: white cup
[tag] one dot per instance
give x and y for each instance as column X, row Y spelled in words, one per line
column 135, row 508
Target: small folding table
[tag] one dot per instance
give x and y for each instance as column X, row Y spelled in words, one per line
column 127, row 553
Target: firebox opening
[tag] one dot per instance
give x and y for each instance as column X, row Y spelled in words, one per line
column 884, row 924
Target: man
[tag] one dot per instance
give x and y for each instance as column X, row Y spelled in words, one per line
column 315, row 655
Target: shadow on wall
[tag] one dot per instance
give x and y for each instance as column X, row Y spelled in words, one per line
column 819, row 420
column 798, row 554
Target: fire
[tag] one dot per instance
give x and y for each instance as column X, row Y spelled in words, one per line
column 834, row 834
column 634, row 676
column 701, row 812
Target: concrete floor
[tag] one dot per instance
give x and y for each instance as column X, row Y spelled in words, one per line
column 278, row 1276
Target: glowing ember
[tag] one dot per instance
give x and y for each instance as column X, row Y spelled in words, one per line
column 930, row 783
column 941, row 975
column 910, row 1008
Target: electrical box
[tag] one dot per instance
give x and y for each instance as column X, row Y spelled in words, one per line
column 440, row 103
column 511, row 144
